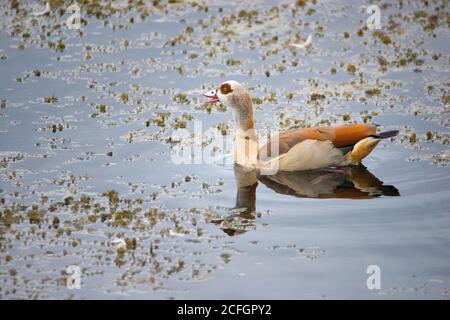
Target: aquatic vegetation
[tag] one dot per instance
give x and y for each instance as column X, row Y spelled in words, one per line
column 232, row 62
column 87, row 118
column 373, row 92
column 51, row 99
column 124, row 97
column 101, row 108
column 382, row 36
column 351, row 68
column 223, row 128
column 180, row 98
column 317, row 96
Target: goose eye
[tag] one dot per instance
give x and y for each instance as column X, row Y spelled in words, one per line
column 225, row 88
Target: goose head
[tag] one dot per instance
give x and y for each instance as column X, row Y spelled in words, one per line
column 236, row 97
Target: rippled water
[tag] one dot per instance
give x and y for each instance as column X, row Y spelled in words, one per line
column 86, row 121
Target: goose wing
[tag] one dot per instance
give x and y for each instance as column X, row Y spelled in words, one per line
column 344, row 137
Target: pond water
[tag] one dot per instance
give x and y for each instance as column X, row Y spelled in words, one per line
column 86, row 151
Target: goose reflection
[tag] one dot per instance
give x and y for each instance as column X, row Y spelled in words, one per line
column 345, row 183
column 355, row 182
column 244, row 213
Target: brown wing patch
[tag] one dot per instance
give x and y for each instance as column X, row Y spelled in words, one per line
column 340, row 136
column 350, row 134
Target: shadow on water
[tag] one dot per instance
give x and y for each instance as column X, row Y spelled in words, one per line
column 355, row 182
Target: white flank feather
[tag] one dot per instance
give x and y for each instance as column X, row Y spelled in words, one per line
column 305, row 44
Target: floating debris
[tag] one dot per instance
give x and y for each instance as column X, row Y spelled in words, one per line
column 119, row 244
column 305, row 44
column 44, row 12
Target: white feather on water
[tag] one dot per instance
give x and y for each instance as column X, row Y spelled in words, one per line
column 305, row 44
column 120, row 244
column 44, row 12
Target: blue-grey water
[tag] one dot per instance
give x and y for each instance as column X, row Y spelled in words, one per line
column 86, row 124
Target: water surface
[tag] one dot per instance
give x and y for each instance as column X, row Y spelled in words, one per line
column 85, row 147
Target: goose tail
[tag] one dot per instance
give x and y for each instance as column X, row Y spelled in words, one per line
column 386, row 134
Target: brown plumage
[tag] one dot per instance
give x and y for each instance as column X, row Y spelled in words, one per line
column 341, row 136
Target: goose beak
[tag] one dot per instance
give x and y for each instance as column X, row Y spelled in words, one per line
column 211, row 96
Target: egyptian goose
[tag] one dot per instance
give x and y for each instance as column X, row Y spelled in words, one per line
column 294, row 149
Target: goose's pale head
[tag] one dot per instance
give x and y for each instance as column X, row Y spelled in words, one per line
column 234, row 95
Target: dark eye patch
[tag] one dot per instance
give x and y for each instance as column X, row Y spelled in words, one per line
column 225, row 88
